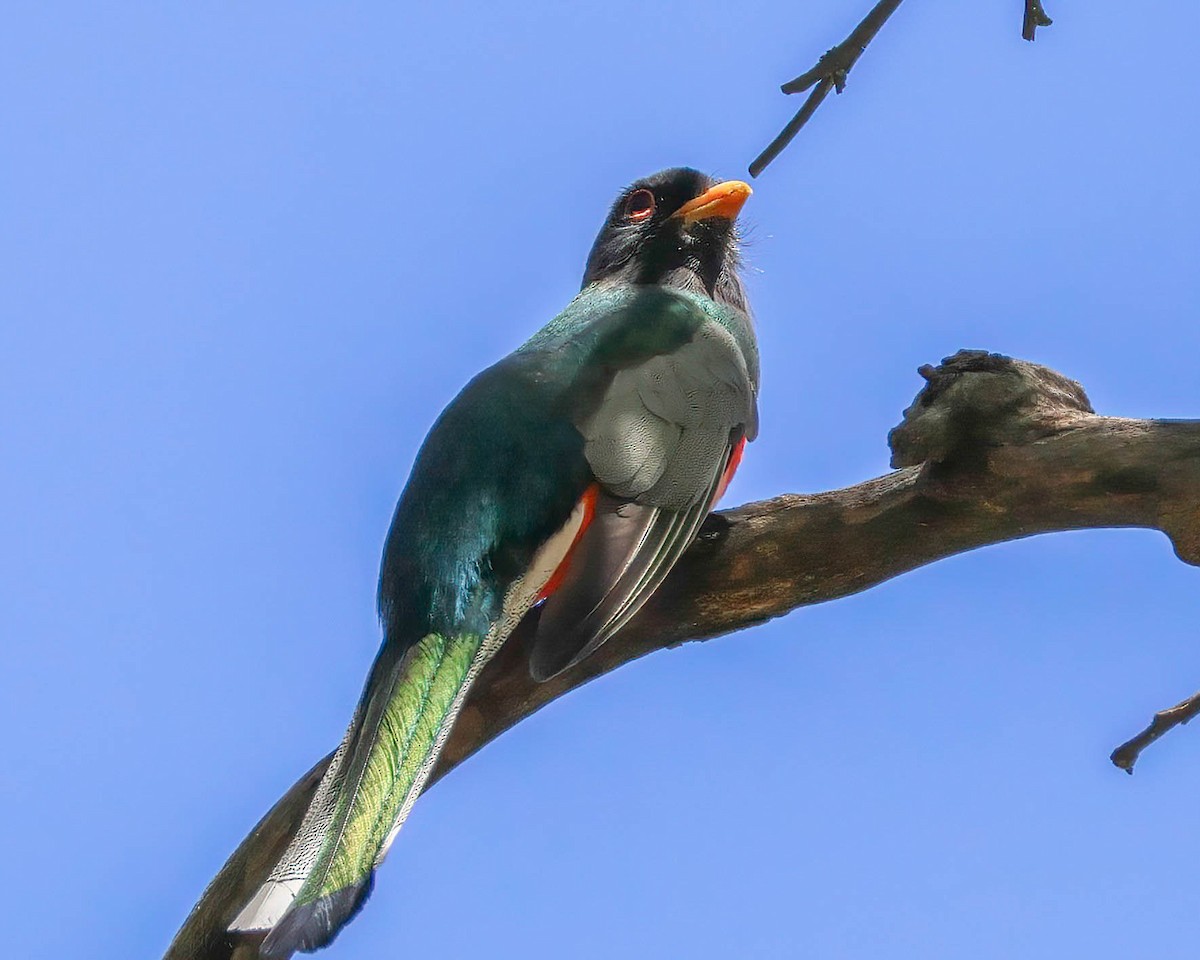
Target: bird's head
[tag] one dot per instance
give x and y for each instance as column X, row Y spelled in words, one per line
column 675, row 228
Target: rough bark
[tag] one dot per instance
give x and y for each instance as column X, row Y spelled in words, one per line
column 992, row 449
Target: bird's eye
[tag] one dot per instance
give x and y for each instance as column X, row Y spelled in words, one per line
column 640, row 205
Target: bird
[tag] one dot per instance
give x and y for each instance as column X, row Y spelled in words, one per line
column 562, row 484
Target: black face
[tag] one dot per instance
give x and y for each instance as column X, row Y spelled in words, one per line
column 641, row 242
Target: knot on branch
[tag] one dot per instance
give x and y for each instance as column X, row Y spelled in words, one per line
column 1181, row 523
column 976, row 400
column 833, row 65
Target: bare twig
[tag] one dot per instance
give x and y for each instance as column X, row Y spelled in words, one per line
column 1126, row 755
column 992, row 449
column 1035, row 17
column 831, row 69
column 794, row 126
column 829, row 73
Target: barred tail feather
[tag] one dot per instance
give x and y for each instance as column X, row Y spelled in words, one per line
column 310, row 926
column 412, row 698
column 391, row 748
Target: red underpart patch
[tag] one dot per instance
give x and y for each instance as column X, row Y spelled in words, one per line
column 560, row 572
column 735, row 459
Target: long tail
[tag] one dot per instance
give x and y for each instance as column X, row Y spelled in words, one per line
column 403, row 719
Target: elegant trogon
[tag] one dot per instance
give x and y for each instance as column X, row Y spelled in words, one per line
column 569, row 476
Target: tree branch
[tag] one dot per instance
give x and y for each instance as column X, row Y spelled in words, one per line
column 1035, row 17
column 831, row 69
column 992, row 449
column 828, row 74
column 1126, row 755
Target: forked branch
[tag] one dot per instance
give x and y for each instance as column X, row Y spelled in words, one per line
column 829, row 74
column 1035, row 17
column 835, row 64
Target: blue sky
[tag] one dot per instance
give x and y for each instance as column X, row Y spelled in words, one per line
column 250, row 251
